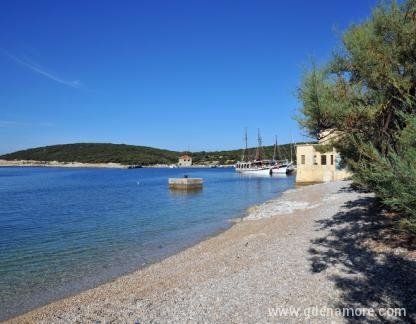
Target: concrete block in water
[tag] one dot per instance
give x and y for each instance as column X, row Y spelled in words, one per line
column 185, row 183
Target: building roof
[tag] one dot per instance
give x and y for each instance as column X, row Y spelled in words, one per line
column 185, row 157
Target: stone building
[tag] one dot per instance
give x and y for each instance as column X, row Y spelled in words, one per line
column 185, row 161
column 315, row 166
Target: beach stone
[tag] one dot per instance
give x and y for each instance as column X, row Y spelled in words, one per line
column 282, row 256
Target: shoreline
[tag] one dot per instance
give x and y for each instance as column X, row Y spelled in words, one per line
column 231, row 222
column 263, row 260
column 45, row 298
column 245, row 216
column 105, row 279
column 109, row 165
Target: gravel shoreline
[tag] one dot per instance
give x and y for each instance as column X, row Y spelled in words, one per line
column 282, row 256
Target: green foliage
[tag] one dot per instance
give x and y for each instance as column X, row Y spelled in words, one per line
column 323, row 148
column 96, row 153
column 320, row 109
column 368, row 92
column 131, row 155
column 393, row 176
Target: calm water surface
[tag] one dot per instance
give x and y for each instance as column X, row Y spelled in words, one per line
column 64, row 230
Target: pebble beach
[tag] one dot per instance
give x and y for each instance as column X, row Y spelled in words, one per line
column 283, row 260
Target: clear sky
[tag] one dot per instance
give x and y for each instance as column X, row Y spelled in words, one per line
column 171, row 74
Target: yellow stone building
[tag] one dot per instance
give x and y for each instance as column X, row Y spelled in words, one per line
column 314, row 166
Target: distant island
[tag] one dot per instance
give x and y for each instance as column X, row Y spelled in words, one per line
column 124, row 155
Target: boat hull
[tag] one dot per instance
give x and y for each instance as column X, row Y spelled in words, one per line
column 264, row 167
column 280, row 170
column 265, row 171
column 284, row 169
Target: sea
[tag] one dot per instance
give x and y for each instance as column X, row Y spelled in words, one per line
column 64, row 230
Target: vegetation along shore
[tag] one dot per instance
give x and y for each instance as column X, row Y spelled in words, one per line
column 120, row 155
column 366, row 94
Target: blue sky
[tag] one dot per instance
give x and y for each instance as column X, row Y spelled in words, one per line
column 171, row 74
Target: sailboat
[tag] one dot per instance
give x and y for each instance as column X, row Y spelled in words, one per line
column 258, row 166
column 282, row 166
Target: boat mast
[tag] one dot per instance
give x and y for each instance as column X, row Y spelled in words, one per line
column 258, row 150
column 280, row 152
column 291, row 147
column 274, row 151
column 243, row 158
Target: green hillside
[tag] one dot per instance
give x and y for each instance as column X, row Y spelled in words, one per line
column 96, row 153
column 131, row 154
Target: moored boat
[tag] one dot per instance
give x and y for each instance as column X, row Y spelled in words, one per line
column 283, row 167
column 254, row 167
column 259, row 166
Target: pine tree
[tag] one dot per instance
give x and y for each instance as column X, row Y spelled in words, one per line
column 368, row 92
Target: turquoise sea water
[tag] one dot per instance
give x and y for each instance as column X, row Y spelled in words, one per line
column 64, row 230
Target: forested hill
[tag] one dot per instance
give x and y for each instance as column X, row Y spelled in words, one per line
column 96, row 153
column 131, row 154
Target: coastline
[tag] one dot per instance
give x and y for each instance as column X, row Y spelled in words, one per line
column 42, row 297
column 110, row 165
column 267, row 259
column 33, row 163
column 253, row 215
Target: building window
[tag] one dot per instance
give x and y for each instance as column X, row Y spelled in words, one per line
column 302, row 159
column 332, row 159
column 315, row 162
column 323, row 159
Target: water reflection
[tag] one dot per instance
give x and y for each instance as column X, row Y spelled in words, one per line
column 179, row 193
